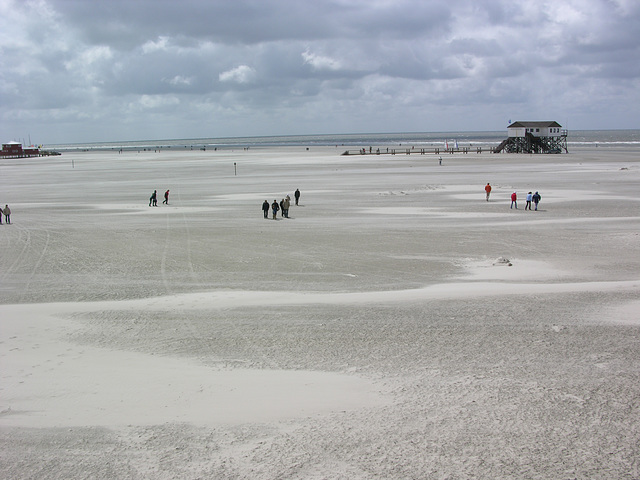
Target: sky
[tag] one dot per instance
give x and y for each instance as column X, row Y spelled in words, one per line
column 75, row 71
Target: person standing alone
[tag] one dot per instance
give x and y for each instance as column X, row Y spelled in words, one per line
column 7, row 214
column 514, row 199
column 488, row 190
column 297, row 196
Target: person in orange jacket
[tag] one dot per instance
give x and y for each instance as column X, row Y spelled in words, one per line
column 514, row 197
column 488, row 190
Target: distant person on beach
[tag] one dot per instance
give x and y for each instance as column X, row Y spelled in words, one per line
column 297, row 196
column 7, row 215
column 153, row 200
column 536, row 199
column 265, row 209
column 166, row 197
column 275, row 208
column 528, row 204
column 285, row 206
column 282, row 207
column 440, row 161
column 488, row 190
column 514, row 199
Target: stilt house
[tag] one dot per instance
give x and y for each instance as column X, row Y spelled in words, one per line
column 534, row 137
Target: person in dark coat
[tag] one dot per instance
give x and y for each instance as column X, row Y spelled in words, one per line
column 536, row 199
column 297, row 195
column 154, row 199
column 265, row 209
column 166, row 197
column 274, row 208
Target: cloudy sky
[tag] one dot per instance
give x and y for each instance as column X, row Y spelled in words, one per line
column 109, row 70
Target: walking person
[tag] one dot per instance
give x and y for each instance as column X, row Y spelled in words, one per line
column 275, row 208
column 536, row 199
column 297, row 196
column 528, row 204
column 285, row 206
column 265, row 209
column 514, row 199
column 7, row 215
column 488, row 190
column 166, row 198
column 153, row 200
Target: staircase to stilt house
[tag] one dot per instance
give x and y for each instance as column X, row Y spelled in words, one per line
column 499, row 148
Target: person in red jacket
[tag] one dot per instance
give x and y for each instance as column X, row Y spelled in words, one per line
column 514, row 197
column 488, row 190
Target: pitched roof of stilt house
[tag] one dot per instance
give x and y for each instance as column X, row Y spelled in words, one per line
column 535, row 125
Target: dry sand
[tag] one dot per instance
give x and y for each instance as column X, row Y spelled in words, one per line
column 374, row 334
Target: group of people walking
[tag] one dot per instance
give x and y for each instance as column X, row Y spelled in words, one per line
column 282, row 206
column 6, row 211
column 153, row 200
column 531, row 198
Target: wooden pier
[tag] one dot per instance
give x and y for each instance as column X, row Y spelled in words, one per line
column 418, row 151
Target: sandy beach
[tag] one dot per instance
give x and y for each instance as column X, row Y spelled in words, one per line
column 396, row 326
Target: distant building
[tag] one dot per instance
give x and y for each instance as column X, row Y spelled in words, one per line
column 15, row 150
column 534, row 137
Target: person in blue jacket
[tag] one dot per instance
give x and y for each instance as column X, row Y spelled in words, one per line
column 528, row 204
column 536, row 199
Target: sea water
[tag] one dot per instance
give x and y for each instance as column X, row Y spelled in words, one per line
column 578, row 138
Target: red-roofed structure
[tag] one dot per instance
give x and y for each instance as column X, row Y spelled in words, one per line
column 15, row 150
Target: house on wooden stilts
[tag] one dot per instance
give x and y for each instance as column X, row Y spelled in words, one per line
column 534, row 137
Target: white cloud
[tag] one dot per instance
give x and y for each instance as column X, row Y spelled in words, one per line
column 155, row 45
column 320, row 62
column 157, row 101
column 87, row 58
column 242, row 74
column 179, row 80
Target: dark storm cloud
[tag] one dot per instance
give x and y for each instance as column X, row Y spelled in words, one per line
column 127, row 23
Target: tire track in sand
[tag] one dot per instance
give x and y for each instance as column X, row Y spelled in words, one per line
column 181, row 315
column 26, row 237
column 19, row 255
